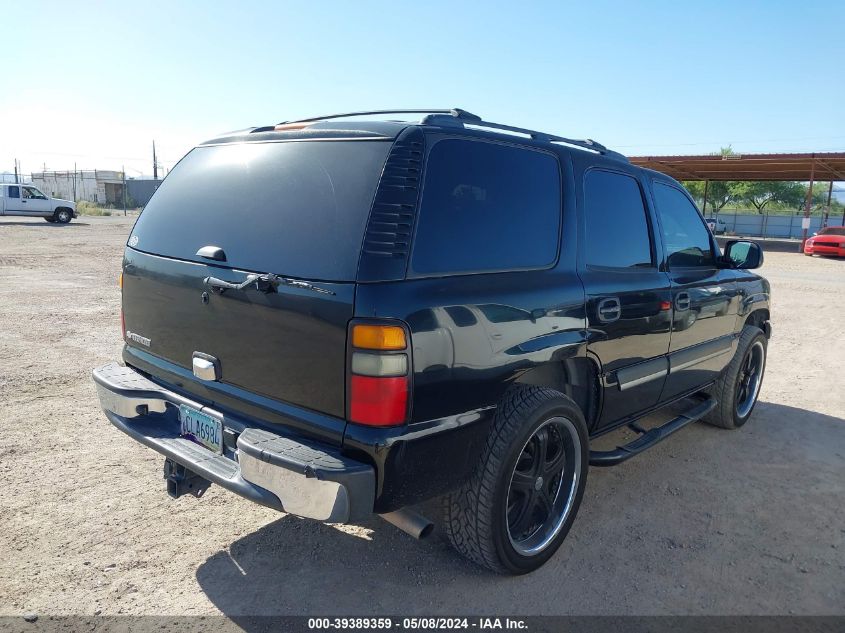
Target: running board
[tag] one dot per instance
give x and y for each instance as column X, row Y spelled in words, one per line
column 647, row 439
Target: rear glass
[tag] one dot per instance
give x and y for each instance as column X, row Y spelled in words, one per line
column 292, row 208
column 487, row 207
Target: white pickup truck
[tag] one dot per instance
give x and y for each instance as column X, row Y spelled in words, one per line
column 26, row 200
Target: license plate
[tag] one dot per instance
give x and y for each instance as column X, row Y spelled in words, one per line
column 201, row 428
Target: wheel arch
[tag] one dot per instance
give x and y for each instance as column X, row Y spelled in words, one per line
column 577, row 378
column 760, row 318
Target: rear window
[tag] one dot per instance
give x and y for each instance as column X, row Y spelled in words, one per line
column 487, row 207
column 291, row 208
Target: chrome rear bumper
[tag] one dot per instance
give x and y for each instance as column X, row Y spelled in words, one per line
column 307, row 480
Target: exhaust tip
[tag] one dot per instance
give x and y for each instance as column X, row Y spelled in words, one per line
column 410, row 522
column 426, row 531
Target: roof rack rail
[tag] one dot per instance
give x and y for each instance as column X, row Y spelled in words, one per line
column 477, row 122
column 453, row 112
column 457, row 116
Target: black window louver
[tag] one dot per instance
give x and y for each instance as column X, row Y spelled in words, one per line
column 387, row 239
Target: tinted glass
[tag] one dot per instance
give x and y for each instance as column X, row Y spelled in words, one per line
column 14, row 192
column 487, row 207
column 293, row 208
column 684, row 232
column 617, row 232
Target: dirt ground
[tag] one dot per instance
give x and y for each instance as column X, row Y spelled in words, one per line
column 708, row 522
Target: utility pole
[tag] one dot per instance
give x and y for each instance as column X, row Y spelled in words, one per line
column 123, row 176
column 155, row 163
column 16, row 171
column 74, row 182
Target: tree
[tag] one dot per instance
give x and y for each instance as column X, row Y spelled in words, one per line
column 795, row 196
column 719, row 193
column 760, row 194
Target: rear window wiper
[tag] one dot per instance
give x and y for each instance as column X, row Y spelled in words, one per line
column 266, row 283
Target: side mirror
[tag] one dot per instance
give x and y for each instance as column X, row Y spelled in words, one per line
column 743, row 254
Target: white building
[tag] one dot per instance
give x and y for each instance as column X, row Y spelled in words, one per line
column 102, row 187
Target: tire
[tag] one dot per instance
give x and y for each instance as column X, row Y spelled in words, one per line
column 51, row 219
column 735, row 397
column 62, row 216
column 492, row 518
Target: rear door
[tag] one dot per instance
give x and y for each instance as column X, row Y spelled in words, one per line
column 296, row 209
column 704, row 296
column 628, row 296
column 13, row 200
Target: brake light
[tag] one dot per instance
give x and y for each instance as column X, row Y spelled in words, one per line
column 122, row 320
column 379, row 381
column 282, row 127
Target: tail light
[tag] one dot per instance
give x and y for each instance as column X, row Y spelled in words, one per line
column 122, row 320
column 379, row 375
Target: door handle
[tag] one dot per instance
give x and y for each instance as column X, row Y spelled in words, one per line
column 682, row 301
column 609, row 310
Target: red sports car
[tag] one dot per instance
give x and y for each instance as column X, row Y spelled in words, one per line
column 828, row 241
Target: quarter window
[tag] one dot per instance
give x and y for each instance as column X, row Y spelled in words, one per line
column 14, row 192
column 487, row 207
column 686, row 236
column 616, row 224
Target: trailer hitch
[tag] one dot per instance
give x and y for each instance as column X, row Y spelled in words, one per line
column 182, row 481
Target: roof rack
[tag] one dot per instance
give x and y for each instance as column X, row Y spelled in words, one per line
column 454, row 112
column 477, row 122
column 462, row 118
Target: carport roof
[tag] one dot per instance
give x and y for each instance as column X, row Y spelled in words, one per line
column 818, row 166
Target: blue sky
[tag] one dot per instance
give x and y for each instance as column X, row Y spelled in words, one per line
column 95, row 82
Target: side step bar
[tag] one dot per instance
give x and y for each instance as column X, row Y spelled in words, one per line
column 647, row 439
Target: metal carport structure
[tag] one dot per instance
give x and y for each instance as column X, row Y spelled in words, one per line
column 824, row 166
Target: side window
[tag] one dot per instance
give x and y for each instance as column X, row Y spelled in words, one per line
column 487, row 207
column 423, row 321
column 33, row 193
column 461, row 316
column 497, row 313
column 617, row 233
column 14, row 192
column 686, row 236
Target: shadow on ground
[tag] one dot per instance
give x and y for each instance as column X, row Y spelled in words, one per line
column 46, row 225
column 702, row 523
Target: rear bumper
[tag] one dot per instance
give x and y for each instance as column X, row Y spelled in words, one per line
column 279, row 472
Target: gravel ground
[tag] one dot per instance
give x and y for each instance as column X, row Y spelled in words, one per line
column 708, row 522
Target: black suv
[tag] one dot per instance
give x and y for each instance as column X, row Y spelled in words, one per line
column 338, row 317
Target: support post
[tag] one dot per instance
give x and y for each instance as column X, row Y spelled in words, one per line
column 704, row 206
column 808, row 201
column 827, row 208
column 123, row 188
